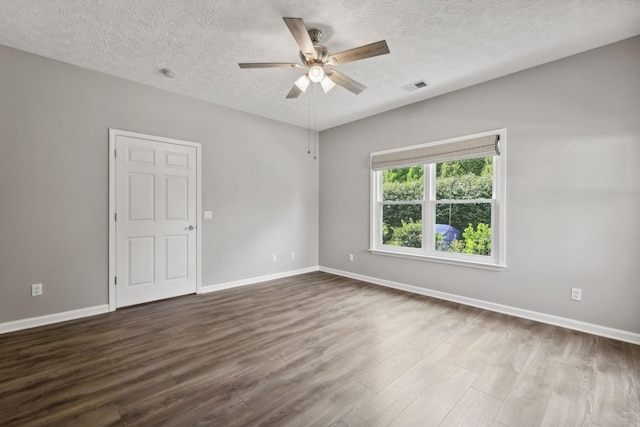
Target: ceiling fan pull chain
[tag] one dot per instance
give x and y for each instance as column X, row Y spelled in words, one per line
column 315, row 121
column 309, row 127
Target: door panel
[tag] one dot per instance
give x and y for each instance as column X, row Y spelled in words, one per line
column 177, row 257
column 177, row 160
column 155, row 229
column 141, row 155
column 176, row 199
column 141, row 260
column 141, row 197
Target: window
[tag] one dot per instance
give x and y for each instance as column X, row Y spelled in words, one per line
column 441, row 201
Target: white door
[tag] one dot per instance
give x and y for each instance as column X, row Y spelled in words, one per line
column 155, row 221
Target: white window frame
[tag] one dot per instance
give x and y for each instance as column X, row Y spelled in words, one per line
column 495, row 261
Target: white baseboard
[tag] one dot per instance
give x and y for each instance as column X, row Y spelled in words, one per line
column 254, row 280
column 603, row 331
column 33, row 322
column 18, row 325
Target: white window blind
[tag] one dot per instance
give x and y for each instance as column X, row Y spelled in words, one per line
column 483, row 146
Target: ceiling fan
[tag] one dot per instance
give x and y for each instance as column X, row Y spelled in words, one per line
column 316, row 56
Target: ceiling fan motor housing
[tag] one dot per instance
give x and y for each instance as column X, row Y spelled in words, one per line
column 322, row 56
column 322, row 53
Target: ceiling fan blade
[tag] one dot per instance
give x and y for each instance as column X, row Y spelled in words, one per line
column 269, row 65
column 294, row 92
column 346, row 82
column 301, row 34
column 362, row 52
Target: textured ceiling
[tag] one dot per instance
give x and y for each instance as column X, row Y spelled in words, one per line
column 451, row 44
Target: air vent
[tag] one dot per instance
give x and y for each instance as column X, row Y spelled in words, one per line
column 415, row 86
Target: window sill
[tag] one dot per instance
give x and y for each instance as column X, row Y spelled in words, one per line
column 459, row 262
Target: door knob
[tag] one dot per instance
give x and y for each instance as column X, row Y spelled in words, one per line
column 189, row 227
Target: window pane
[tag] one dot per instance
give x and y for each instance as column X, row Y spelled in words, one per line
column 465, row 179
column 464, row 228
column 403, row 183
column 402, row 225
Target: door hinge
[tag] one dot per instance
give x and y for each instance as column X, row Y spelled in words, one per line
column 115, row 217
column 115, row 280
column 115, row 153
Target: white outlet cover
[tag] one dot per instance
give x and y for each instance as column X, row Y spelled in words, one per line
column 576, row 294
column 36, row 289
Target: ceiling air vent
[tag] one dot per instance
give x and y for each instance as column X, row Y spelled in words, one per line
column 415, row 86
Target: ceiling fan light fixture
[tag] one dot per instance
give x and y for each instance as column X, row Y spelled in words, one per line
column 316, row 74
column 303, row 83
column 327, row 84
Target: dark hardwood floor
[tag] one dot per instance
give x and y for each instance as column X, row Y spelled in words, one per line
column 315, row 349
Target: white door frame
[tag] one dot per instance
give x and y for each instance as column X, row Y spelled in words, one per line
column 113, row 133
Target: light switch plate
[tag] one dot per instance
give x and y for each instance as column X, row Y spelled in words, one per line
column 208, row 215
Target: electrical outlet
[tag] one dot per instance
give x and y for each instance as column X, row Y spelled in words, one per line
column 351, row 257
column 36, row 289
column 274, row 257
column 293, row 256
column 576, row 294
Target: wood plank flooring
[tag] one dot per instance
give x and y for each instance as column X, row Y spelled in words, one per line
column 314, row 350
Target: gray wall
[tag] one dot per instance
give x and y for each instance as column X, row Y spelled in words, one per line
column 573, row 187
column 257, row 179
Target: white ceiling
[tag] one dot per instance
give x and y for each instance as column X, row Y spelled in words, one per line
column 449, row 43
